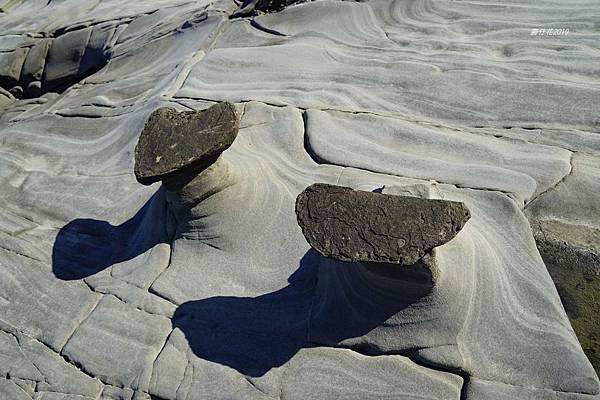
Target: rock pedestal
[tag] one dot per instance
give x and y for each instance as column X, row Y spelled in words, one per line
column 379, row 261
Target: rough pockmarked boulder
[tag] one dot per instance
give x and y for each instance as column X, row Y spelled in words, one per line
column 358, row 226
column 175, row 144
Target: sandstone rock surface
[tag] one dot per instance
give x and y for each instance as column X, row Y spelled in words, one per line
column 110, row 289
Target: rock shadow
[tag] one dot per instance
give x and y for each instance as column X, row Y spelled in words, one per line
column 255, row 334
column 85, row 246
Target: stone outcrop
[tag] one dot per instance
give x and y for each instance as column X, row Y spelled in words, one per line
column 257, row 7
column 205, row 287
column 358, row 226
column 52, row 62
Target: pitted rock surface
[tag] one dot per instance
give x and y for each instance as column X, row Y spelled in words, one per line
column 358, row 226
column 176, row 143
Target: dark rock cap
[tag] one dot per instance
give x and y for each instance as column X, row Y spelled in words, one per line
column 174, row 143
column 357, row 226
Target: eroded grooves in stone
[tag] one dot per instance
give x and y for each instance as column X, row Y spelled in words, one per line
column 256, row 7
column 357, row 226
column 177, row 143
column 51, row 62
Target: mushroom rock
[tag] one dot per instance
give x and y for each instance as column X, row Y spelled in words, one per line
column 380, row 268
column 179, row 145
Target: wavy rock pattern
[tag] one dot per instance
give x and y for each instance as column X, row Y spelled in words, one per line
column 110, row 289
column 409, row 149
column 370, row 57
column 465, row 331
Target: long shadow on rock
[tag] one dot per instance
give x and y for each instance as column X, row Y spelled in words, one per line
column 85, row 247
column 254, row 334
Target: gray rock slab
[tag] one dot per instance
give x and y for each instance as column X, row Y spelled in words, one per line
column 118, row 343
column 27, row 385
column 355, row 226
column 482, row 389
column 11, row 64
column 60, row 396
column 179, row 143
column 411, row 149
column 64, row 57
column 10, row 390
column 33, row 68
column 179, row 373
column 333, row 373
column 131, row 294
column 574, row 199
column 5, row 97
column 433, row 74
column 54, row 308
column 116, row 393
column 97, row 48
column 447, row 76
column 57, row 374
column 14, row 362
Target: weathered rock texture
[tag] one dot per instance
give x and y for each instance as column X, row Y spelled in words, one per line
column 354, row 225
column 174, row 144
column 388, row 94
column 254, row 7
column 53, row 61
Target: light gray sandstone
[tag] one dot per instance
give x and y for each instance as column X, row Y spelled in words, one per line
column 382, row 377
column 54, row 308
column 377, row 60
column 27, row 385
column 420, row 151
column 14, row 362
column 573, row 200
column 117, row 343
column 11, row 64
column 5, row 97
column 33, row 67
column 64, row 56
column 468, row 106
column 11, row 390
column 57, row 374
column 32, row 363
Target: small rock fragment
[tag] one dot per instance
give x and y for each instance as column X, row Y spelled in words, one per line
column 357, row 226
column 16, row 91
column 173, row 144
column 34, row 89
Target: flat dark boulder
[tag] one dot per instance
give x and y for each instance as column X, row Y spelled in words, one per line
column 175, row 143
column 358, row 226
